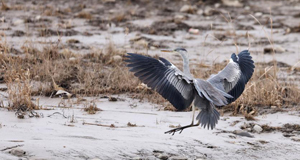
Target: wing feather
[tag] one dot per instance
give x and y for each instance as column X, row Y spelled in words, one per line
column 233, row 78
column 161, row 75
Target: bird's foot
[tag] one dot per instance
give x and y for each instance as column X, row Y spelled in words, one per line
column 180, row 129
column 173, row 131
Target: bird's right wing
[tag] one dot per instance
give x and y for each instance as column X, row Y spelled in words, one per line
column 164, row 77
column 233, row 78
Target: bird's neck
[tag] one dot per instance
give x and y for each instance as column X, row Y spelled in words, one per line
column 186, row 67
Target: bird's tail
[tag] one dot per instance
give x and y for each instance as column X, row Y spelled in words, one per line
column 208, row 115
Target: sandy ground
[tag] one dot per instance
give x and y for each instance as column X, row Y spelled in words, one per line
column 56, row 137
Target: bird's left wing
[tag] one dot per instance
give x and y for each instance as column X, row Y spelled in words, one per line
column 162, row 76
column 233, row 78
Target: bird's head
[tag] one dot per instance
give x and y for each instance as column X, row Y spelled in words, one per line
column 178, row 50
column 181, row 51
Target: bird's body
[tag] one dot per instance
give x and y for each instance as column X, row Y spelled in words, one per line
column 181, row 89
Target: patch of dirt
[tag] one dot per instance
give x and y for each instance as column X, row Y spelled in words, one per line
column 50, row 32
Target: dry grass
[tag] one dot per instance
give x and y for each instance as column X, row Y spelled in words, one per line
column 103, row 71
column 19, row 90
column 91, row 108
column 266, row 90
column 98, row 72
column 84, row 15
column 121, row 17
column 4, row 7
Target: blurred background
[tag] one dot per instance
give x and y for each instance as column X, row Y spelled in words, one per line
column 210, row 30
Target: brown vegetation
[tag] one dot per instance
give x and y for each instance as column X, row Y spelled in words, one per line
column 104, row 71
column 91, row 108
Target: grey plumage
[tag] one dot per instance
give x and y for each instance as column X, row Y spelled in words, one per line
column 181, row 89
column 233, row 78
column 162, row 76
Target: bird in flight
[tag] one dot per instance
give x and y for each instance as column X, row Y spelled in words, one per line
column 181, row 89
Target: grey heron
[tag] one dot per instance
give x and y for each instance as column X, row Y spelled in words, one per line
column 181, row 89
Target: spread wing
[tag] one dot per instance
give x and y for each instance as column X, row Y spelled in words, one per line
column 163, row 77
column 233, row 78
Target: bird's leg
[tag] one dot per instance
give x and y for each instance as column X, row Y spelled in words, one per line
column 194, row 110
column 173, row 131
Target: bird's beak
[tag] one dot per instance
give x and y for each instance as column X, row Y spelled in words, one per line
column 167, row 50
